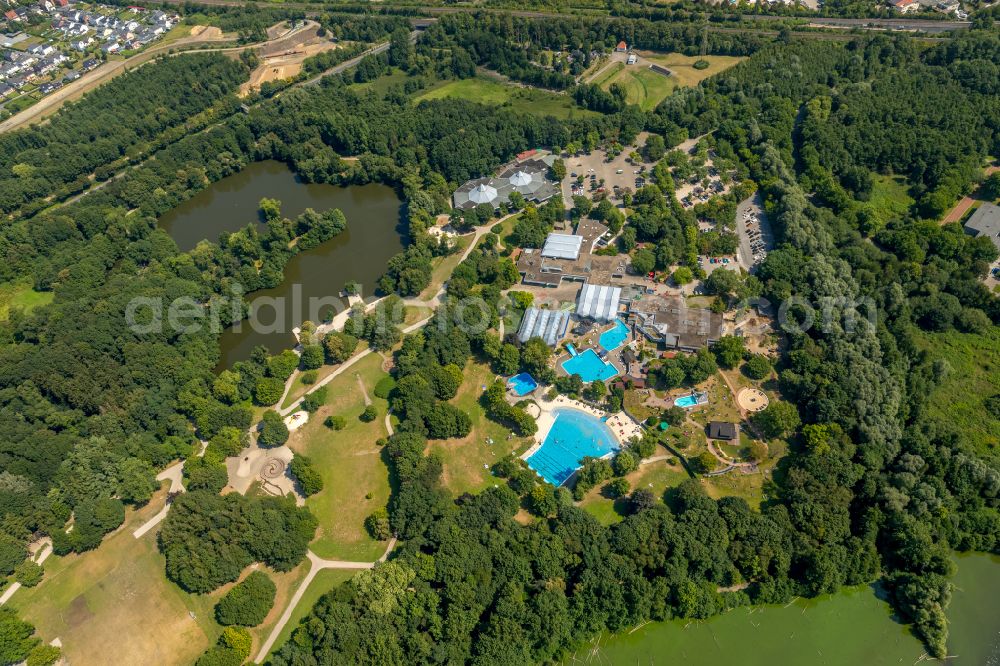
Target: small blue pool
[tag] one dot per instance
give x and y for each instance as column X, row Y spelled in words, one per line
column 574, row 436
column 589, row 366
column 692, row 400
column 614, row 337
column 522, row 384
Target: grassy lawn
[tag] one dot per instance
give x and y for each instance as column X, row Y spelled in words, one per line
column 117, row 597
column 655, row 476
column 974, row 376
column 890, row 197
column 350, row 463
column 608, row 74
column 443, row 267
column 682, row 66
column 381, row 85
column 493, row 93
column 748, row 486
column 21, row 295
column 325, row 581
column 643, row 86
column 466, row 460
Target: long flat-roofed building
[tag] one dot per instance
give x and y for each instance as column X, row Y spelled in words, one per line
column 670, row 322
column 549, row 325
column 562, row 246
column 599, row 302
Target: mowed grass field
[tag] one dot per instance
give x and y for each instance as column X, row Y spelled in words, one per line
column 494, row 93
column 467, row 460
column 655, row 476
column 682, row 66
column 974, row 376
column 21, row 295
column 115, row 605
column 644, row 87
column 350, row 463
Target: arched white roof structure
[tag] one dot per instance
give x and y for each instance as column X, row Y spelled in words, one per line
column 483, row 194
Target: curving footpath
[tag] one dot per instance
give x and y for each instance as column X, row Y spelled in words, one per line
column 316, row 564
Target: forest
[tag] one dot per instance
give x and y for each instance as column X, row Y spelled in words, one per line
column 874, row 488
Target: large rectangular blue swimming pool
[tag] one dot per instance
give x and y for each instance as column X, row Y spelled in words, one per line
column 574, row 435
column 614, row 337
column 589, row 366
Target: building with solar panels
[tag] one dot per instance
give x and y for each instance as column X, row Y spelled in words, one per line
column 549, row 325
column 528, row 177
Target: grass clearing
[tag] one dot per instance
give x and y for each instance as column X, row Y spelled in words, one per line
column 350, row 463
column 644, row 87
column 116, row 599
column 655, row 476
column 973, row 377
column 467, row 460
column 521, row 100
column 21, row 295
column 682, row 66
column 890, row 197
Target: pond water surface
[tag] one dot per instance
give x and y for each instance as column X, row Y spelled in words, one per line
column 373, row 235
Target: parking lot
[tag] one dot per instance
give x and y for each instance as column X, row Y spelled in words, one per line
column 754, row 230
column 620, row 172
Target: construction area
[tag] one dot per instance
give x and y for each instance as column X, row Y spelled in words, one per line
column 282, row 56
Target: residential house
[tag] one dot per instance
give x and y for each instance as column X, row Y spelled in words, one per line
column 905, row 6
column 722, row 430
column 622, row 47
column 11, row 15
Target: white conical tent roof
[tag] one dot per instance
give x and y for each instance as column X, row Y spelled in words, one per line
column 520, row 178
column 483, row 193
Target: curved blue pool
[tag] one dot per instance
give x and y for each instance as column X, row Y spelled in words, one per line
column 574, row 436
column 614, row 337
column 589, row 366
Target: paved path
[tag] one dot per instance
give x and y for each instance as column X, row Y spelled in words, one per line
column 43, row 555
column 316, row 564
column 175, row 474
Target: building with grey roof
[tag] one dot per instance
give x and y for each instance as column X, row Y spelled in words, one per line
column 528, row 177
column 562, row 246
column 670, row 322
column 985, row 222
column 549, row 325
column 599, row 302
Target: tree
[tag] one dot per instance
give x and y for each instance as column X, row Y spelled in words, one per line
column 28, row 573
column 248, row 603
column 990, row 188
column 16, row 637
column 704, row 462
column 369, row 414
column 682, row 276
column 310, row 481
column 758, row 450
column 543, row 500
column 675, row 416
column 619, row 487
column 270, row 209
column 729, row 350
column 595, row 391
column 643, row 261
column 778, row 419
column 642, row 499
column 400, row 49
column 339, row 347
column 535, row 356
column 723, row 282
column 335, row 422
column 283, row 365
column 273, row 431
column 557, row 170
column 624, row 463
column 655, row 148
column 268, row 390
column 757, row 367
column 377, row 525
column 508, row 360
column 312, row 357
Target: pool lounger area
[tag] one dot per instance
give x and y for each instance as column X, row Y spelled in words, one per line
column 589, row 366
column 574, row 436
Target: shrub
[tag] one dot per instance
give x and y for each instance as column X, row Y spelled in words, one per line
column 618, row 488
column 701, row 64
column 309, row 377
column 248, row 603
column 313, row 401
column 273, row 431
column 369, row 414
column 624, row 463
column 335, row 422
